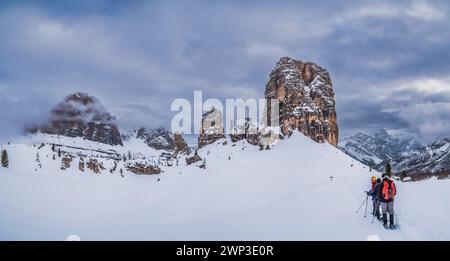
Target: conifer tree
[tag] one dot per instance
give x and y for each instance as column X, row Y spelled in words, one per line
column 4, row 159
column 388, row 169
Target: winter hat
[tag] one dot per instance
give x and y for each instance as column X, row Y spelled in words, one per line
column 374, row 179
column 378, row 180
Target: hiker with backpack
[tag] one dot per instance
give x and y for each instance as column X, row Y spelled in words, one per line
column 386, row 194
column 376, row 186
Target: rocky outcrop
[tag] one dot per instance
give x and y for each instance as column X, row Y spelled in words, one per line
column 94, row 166
column 142, row 168
column 81, row 115
column 65, row 162
column 193, row 159
column 162, row 139
column 306, row 99
column 180, row 145
column 245, row 130
column 211, row 128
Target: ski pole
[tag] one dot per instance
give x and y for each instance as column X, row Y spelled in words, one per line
column 367, row 200
column 362, row 204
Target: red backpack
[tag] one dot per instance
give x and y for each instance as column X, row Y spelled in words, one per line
column 389, row 191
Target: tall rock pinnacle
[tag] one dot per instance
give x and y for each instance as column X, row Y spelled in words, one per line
column 306, row 99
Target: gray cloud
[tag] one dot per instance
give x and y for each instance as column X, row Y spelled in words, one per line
column 136, row 57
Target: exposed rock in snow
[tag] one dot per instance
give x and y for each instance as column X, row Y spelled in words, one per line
column 94, row 166
column 180, row 144
column 306, row 97
column 212, row 127
column 244, row 129
column 193, row 159
column 142, row 167
column 82, row 115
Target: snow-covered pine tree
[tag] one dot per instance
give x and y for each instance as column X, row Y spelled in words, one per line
column 5, row 159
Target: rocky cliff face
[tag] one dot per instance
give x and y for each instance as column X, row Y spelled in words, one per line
column 81, row 115
column 306, row 99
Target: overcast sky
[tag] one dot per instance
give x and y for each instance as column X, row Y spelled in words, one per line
column 389, row 60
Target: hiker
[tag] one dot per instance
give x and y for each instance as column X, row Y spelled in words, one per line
column 374, row 182
column 373, row 193
column 376, row 199
column 386, row 194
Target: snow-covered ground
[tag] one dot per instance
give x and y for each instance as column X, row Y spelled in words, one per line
column 285, row 193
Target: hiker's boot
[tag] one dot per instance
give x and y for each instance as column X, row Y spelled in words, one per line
column 385, row 220
column 391, row 221
column 379, row 217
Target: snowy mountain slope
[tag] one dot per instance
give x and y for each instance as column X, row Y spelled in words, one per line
column 378, row 149
column 402, row 150
column 243, row 194
column 434, row 158
column 49, row 154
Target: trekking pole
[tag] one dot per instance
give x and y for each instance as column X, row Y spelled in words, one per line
column 362, row 204
column 367, row 200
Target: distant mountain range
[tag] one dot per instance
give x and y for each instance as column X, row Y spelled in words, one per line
column 403, row 151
